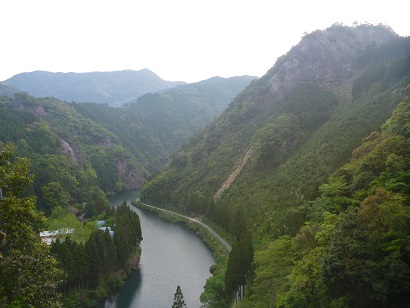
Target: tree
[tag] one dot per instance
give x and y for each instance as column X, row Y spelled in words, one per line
column 54, row 195
column 273, row 265
column 29, row 276
column 178, row 299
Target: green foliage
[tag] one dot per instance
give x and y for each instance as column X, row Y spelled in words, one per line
column 94, row 256
column 156, row 124
column 71, row 156
column 274, row 152
column 128, row 233
column 273, row 265
column 29, row 275
column 214, row 295
column 355, row 255
column 178, row 299
column 54, row 195
column 276, row 139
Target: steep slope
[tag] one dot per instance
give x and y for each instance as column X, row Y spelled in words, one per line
column 155, row 125
column 70, row 155
column 114, row 88
column 354, row 249
column 301, row 122
column 257, row 169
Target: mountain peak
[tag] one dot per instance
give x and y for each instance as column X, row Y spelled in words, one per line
column 325, row 56
column 114, row 88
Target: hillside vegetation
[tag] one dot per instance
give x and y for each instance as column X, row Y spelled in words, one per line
column 75, row 160
column 353, row 250
column 74, row 156
column 82, row 151
column 307, row 169
column 155, row 125
column 259, row 165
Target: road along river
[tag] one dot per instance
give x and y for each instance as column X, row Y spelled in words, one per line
column 172, row 255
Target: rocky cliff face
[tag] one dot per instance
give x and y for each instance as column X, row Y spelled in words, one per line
column 132, row 177
column 328, row 57
column 73, row 151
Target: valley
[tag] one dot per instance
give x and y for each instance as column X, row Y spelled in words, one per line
column 305, row 171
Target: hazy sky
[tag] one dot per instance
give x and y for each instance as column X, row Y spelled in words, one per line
column 187, row 40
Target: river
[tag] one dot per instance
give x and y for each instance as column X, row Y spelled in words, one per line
column 171, row 255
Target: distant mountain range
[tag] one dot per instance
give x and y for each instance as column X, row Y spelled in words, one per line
column 6, row 90
column 113, row 88
column 307, row 169
column 112, row 148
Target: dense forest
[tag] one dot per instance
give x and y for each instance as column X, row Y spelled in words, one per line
column 353, row 248
column 75, row 160
column 306, row 170
column 99, row 261
column 80, row 152
column 155, row 125
column 262, row 164
column 35, row 274
column 74, row 156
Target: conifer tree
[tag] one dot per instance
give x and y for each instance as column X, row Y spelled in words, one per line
column 178, row 299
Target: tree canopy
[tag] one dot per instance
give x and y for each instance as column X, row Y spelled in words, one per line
column 29, row 276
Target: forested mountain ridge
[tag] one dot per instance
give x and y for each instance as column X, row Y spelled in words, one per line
column 107, row 148
column 155, row 125
column 113, row 88
column 282, row 121
column 353, row 250
column 71, row 162
column 69, row 153
column 261, row 163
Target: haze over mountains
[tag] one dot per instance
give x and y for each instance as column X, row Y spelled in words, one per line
column 123, row 145
column 155, row 125
column 113, row 88
column 307, row 169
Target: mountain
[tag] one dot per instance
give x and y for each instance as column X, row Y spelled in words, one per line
column 6, row 90
column 70, row 154
column 104, row 148
column 155, row 125
column 259, row 165
column 291, row 128
column 356, row 233
column 113, row 88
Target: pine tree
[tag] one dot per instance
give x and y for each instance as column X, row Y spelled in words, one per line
column 178, row 299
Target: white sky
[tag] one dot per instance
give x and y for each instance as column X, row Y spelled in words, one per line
column 187, row 40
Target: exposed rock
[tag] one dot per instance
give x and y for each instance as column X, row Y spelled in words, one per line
column 231, row 177
column 25, row 103
column 328, row 57
column 132, row 177
column 73, row 152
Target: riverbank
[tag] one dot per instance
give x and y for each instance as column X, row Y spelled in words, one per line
column 217, row 244
column 90, row 297
column 219, row 251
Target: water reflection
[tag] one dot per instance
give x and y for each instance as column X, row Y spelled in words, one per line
column 171, row 255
